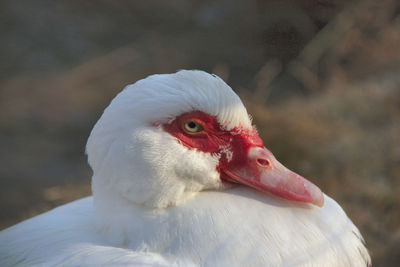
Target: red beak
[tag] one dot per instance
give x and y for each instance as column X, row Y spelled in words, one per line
column 263, row 172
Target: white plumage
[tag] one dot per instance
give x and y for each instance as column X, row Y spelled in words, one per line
column 157, row 202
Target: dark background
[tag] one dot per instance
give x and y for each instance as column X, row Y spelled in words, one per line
column 321, row 79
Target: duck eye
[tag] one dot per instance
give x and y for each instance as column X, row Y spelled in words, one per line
column 192, row 127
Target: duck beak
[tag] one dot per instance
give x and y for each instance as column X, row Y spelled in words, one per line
column 263, row 172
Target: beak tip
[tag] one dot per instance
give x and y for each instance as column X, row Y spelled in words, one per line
column 316, row 195
column 319, row 201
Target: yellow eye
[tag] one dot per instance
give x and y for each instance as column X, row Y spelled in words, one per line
column 192, row 127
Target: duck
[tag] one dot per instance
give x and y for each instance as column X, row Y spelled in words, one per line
column 182, row 178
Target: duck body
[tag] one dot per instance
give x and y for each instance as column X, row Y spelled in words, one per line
column 181, row 178
column 237, row 227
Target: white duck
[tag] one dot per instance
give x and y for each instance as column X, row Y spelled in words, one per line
column 166, row 154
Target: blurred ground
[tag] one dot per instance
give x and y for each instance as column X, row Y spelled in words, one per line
column 321, row 79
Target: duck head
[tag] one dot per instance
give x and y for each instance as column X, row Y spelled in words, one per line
column 170, row 136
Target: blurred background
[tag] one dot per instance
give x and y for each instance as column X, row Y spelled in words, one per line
column 320, row 77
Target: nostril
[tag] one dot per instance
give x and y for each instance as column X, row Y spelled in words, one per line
column 263, row 162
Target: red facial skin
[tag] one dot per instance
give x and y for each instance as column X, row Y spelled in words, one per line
column 213, row 138
column 243, row 158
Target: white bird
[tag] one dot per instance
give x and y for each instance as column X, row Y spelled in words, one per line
column 181, row 178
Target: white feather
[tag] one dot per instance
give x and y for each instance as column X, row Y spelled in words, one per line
column 236, row 227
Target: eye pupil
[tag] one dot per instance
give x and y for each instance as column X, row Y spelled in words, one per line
column 191, row 124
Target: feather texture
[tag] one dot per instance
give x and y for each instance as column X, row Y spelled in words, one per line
column 232, row 228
